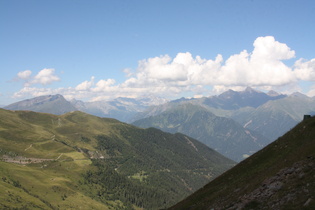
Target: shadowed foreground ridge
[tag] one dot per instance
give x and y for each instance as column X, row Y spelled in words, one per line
column 280, row 176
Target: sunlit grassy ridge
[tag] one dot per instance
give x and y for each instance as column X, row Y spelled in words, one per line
column 47, row 186
column 27, row 136
column 79, row 160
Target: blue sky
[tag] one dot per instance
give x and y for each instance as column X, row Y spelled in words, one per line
column 99, row 50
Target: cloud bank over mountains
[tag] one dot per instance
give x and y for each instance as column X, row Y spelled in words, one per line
column 263, row 68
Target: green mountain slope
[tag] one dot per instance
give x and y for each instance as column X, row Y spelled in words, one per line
column 223, row 134
column 78, row 160
column 280, row 176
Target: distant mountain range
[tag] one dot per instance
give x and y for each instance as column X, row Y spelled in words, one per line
column 270, row 114
column 236, row 123
column 233, row 100
column 122, row 109
column 280, row 176
column 77, row 160
column 272, row 118
column 224, row 104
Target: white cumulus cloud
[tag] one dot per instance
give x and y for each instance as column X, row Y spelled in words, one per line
column 86, row 85
column 267, row 48
column 262, row 67
column 45, row 76
column 305, row 70
column 25, row 75
column 104, row 85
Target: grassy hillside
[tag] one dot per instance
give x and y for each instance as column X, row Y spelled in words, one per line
column 280, row 176
column 79, row 160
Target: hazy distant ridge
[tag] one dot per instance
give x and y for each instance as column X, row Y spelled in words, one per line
column 53, row 104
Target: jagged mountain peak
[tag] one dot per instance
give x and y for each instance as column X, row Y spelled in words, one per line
column 232, row 100
column 227, row 93
column 247, row 92
column 272, row 93
column 250, row 90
